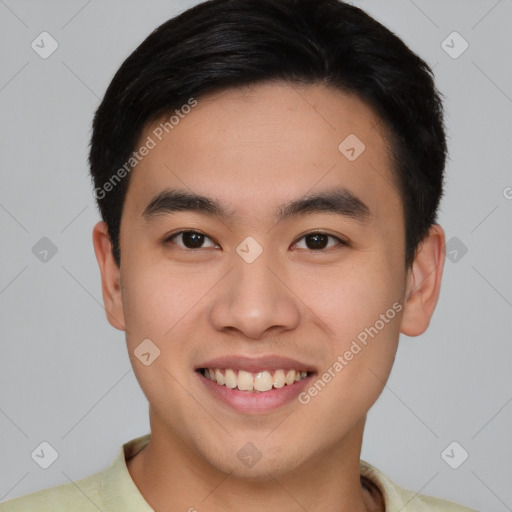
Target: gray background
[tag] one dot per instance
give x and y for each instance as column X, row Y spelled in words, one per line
column 65, row 377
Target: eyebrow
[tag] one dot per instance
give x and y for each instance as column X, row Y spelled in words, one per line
column 339, row 201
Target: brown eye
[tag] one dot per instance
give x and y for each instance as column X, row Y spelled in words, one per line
column 319, row 241
column 190, row 239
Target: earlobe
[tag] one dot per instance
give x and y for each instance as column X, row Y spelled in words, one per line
column 424, row 283
column 110, row 276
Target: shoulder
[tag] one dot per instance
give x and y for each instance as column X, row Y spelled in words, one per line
column 80, row 496
column 397, row 498
column 110, row 489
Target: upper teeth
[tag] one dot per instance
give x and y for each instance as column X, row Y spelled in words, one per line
column 260, row 381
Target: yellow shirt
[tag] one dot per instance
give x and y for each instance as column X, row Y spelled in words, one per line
column 113, row 490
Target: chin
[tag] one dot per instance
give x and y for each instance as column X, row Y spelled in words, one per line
column 255, row 460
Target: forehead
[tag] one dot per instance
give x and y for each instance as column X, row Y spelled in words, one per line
column 256, row 146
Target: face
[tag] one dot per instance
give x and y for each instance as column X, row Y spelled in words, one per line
column 296, row 263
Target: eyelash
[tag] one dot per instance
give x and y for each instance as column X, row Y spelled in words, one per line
column 341, row 243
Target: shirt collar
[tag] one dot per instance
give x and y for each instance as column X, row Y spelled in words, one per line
column 118, row 490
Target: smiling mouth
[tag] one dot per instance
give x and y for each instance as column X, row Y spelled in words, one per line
column 253, row 381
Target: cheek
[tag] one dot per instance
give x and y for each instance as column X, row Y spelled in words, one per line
column 360, row 311
column 156, row 300
column 159, row 307
column 163, row 303
column 361, row 357
column 352, row 297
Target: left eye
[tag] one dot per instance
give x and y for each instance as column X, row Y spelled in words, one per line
column 319, row 241
column 191, row 239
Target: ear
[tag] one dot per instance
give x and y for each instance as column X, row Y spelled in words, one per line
column 424, row 283
column 110, row 276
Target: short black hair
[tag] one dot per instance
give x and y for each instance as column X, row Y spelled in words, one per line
column 221, row 44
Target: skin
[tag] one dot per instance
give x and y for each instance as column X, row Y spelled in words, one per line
column 253, row 149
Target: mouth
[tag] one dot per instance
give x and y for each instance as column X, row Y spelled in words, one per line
column 255, row 382
column 254, row 386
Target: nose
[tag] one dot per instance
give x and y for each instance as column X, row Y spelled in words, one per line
column 253, row 299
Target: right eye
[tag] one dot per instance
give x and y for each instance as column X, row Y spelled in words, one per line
column 189, row 239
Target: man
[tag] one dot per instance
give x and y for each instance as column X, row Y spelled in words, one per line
column 268, row 174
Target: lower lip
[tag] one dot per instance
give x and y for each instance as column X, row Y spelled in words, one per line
column 255, row 401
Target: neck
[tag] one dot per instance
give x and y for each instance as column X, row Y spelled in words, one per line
column 171, row 475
